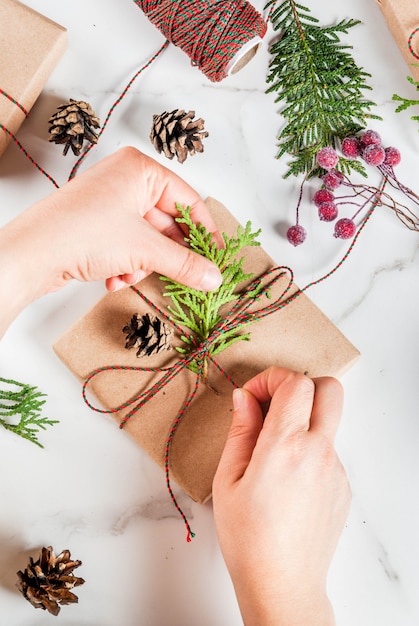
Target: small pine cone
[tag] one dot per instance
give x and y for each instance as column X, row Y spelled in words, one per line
column 46, row 583
column 177, row 133
column 148, row 333
column 72, row 124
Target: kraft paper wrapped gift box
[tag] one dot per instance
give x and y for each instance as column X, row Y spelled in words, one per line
column 402, row 18
column 30, row 47
column 299, row 337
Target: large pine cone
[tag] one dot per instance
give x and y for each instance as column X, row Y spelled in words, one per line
column 177, row 134
column 148, row 333
column 72, row 124
column 46, row 583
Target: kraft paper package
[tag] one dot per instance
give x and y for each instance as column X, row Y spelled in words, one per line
column 402, row 18
column 299, row 336
column 30, row 48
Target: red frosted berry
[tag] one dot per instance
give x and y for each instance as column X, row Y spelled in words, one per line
column 327, row 158
column 344, row 228
column 328, row 211
column 296, row 234
column 332, row 179
column 351, row 147
column 371, row 137
column 323, row 195
column 392, row 156
column 373, row 154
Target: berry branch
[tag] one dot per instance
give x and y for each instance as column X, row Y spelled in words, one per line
column 369, row 147
column 320, row 84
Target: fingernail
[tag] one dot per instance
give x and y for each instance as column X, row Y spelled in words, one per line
column 119, row 285
column 212, row 279
column 137, row 277
column 238, row 399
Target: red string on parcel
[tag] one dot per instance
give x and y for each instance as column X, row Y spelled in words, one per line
column 17, row 142
column 15, row 102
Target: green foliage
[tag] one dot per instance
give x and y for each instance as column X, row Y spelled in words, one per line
column 199, row 311
column 18, row 400
column 319, row 83
column 405, row 103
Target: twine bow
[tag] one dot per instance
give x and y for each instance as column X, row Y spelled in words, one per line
column 200, row 356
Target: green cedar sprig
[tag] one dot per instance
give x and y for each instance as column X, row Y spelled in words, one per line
column 319, row 83
column 199, row 311
column 405, row 103
column 22, row 401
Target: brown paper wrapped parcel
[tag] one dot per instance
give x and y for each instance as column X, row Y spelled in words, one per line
column 299, row 337
column 402, row 17
column 30, row 47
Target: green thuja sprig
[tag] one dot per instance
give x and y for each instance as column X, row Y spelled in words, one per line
column 405, row 103
column 319, row 83
column 22, row 402
column 199, row 311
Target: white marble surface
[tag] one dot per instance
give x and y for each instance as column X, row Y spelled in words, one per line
column 91, row 489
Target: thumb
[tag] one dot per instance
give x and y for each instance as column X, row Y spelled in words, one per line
column 167, row 257
column 244, row 431
column 192, row 269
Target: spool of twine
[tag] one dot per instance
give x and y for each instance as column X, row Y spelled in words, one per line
column 220, row 37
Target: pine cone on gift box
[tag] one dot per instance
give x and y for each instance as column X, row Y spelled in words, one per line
column 72, row 124
column 46, row 583
column 177, row 134
column 148, row 333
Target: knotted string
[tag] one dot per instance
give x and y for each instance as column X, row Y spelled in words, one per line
column 210, row 32
column 239, row 315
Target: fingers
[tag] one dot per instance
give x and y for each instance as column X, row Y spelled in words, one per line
column 241, row 440
column 168, row 188
column 170, row 259
column 153, row 251
column 166, row 224
column 327, row 407
column 177, row 190
column 291, row 398
column 298, row 402
column 124, row 280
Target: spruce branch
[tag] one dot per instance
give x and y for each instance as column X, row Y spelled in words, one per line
column 319, row 83
column 199, row 311
column 405, row 103
column 24, row 402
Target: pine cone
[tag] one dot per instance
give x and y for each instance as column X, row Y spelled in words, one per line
column 148, row 333
column 72, row 124
column 177, row 133
column 46, row 583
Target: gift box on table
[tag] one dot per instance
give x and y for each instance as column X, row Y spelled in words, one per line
column 298, row 336
column 402, row 17
column 30, row 47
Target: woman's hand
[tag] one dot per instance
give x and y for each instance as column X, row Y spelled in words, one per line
column 116, row 221
column 281, row 498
